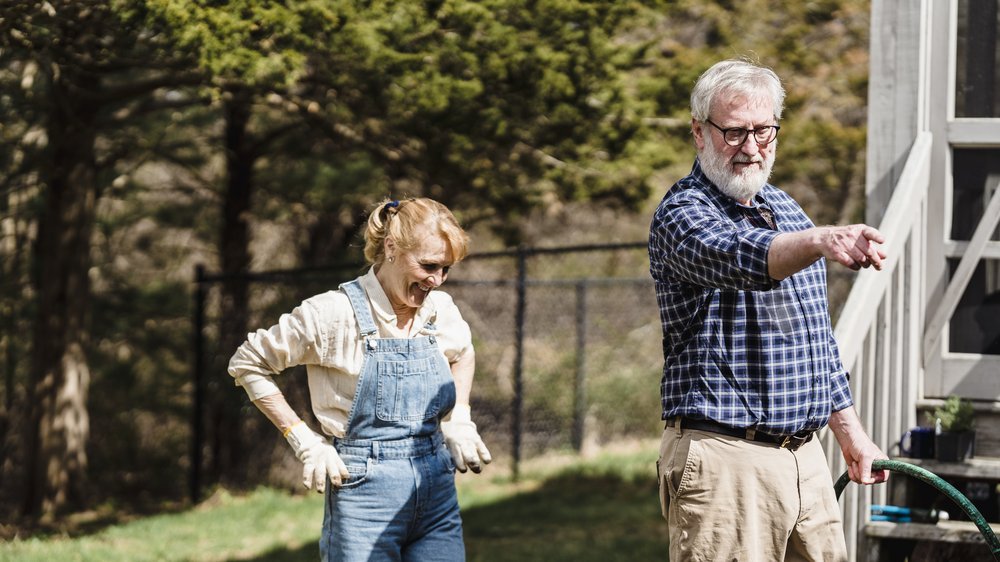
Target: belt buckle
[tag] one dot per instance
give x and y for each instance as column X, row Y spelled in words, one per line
column 793, row 442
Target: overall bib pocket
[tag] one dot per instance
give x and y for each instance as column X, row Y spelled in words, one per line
column 404, row 389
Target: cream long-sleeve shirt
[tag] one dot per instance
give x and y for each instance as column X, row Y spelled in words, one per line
column 322, row 334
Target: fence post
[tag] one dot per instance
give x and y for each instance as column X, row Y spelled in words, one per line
column 579, row 386
column 518, row 406
column 198, row 398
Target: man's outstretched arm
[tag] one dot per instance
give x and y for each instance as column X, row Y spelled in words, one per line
column 854, row 246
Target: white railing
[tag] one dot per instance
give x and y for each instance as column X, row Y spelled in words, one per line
column 880, row 331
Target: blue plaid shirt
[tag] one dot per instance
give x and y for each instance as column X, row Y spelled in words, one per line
column 740, row 348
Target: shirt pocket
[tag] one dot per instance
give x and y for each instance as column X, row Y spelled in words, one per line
column 405, row 390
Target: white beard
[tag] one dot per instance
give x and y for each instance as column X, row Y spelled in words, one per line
column 743, row 186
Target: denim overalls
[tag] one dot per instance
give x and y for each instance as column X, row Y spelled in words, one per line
column 400, row 501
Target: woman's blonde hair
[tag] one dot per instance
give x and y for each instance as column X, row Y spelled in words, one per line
column 404, row 221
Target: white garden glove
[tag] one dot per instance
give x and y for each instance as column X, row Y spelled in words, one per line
column 319, row 458
column 466, row 447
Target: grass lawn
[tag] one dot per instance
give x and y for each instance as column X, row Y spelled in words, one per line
column 561, row 508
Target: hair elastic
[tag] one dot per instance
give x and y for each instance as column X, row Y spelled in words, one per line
column 390, row 205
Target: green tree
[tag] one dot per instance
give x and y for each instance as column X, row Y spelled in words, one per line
column 494, row 108
column 819, row 49
column 303, row 114
column 83, row 73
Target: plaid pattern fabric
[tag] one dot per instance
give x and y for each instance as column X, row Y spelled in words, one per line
column 740, row 348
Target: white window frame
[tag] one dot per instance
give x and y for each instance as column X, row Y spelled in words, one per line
column 967, row 374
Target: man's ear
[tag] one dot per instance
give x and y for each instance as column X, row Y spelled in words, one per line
column 699, row 139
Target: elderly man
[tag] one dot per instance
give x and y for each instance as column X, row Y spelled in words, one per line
column 751, row 369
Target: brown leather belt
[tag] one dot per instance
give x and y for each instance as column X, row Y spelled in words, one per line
column 790, row 442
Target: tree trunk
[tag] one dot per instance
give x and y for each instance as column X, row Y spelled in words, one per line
column 58, row 427
column 330, row 237
column 227, row 436
column 14, row 283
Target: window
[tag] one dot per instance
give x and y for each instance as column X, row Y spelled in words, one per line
column 975, row 326
column 976, row 76
column 976, row 175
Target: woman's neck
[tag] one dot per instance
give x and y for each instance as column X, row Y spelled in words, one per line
column 404, row 316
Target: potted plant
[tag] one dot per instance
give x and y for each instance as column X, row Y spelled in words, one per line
column 955, row 437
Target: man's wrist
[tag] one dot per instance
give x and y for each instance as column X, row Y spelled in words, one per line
column 845, row 423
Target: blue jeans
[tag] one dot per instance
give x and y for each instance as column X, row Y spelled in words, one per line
column 399, row 504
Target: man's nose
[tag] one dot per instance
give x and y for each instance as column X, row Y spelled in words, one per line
column 750, row 145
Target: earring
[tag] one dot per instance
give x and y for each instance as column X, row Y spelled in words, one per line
column 392, row 259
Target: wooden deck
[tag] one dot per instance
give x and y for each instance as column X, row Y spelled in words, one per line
column 885, row 541
column 943, row 531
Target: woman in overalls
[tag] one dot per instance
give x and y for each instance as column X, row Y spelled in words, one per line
column 390, row 367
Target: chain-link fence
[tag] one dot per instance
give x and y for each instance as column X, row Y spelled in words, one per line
column 567, row 345
column 567, row 342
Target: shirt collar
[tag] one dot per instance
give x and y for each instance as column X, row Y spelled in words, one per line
column 382, row 308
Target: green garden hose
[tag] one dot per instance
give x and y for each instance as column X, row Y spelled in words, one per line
column 942, row 486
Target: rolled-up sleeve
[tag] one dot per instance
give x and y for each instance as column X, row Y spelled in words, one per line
column 296, row 339
column 454, row 334
column 840, row 387
column 701, row 247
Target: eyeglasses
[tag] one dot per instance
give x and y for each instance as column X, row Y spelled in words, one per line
column 736, row 136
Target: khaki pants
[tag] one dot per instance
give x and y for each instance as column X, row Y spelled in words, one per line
column 730, row 499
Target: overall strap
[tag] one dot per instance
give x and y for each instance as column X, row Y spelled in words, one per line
column 359, row 302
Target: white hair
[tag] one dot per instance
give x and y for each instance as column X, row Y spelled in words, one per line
column 757, row 83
